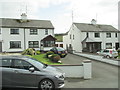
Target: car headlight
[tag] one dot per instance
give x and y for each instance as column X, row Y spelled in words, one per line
column 60, row 77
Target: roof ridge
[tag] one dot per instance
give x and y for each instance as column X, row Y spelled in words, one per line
column 91, row 24
column 27, row 19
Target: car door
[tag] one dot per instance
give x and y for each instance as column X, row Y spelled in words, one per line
column 7, row 72
column 22, row 77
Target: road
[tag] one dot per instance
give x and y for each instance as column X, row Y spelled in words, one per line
column 103, row 75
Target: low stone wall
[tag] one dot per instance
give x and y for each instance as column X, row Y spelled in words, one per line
column 83, row 70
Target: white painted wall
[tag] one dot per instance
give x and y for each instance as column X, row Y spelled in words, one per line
column 7, row 37
column 103, row 38
column 80, row 36
column 76, row 42
column 77, row 71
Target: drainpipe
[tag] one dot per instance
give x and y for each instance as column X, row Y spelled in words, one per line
column 24, row 40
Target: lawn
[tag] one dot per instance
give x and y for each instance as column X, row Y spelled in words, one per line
column 42, row 58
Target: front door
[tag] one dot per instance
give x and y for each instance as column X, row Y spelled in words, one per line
column 116, row 46
column 0, row 46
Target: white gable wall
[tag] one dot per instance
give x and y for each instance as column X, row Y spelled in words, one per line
column 77, row 45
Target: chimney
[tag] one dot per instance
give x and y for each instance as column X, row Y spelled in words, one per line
column 24, row 17
column 93, row 22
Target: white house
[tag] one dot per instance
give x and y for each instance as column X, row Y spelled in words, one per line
column 19, row 34
column 83, row 37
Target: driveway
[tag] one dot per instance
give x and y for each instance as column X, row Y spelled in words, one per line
column 72, row 59
column 103, row 75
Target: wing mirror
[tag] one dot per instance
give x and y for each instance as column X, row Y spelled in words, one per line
column 32, row 69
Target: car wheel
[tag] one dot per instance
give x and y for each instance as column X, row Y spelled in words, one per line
column 46, row 84
column 107, row 56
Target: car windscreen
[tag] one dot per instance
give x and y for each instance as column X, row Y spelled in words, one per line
column 60, row 49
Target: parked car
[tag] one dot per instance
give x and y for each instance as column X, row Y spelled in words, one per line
column 108, row 53
column 60, row 51
column 25, row 72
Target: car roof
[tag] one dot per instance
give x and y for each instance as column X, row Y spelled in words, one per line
column 14, row 56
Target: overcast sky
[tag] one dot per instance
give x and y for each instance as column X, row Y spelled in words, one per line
column 60, row 11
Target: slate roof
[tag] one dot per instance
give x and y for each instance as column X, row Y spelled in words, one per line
column 84, row 27
column 18, row 23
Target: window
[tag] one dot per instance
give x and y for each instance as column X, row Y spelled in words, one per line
column 73, row 37
column 87, row 34
column 106, row 51
column 6, row 63
column 15, row 44
column 108, row 35
column 46, row 31
column 14, row 31
column 20, row 64
column 33, row 44
column 116, row 35
column 49, row 43
column 70, row 36
column 97, row 35
column 108, row 45
column 33, row 32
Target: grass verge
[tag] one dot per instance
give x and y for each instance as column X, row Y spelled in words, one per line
column 42, row 58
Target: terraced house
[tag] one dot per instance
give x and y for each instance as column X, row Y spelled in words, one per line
column 91, row 37
column 19, row 34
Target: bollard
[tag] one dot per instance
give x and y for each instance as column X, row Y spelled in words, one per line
column 87, row 68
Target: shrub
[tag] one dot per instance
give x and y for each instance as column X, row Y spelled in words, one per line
column 55, row 58
column 28, row 51
column 49, row 53
column 37, row 52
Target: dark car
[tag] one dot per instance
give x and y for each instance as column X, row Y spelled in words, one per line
column 60, row 51
column 25, row 72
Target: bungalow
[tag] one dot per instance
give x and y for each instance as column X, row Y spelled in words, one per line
column 83, row 37
column 19, row 34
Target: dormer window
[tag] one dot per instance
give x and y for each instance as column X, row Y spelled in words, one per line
column 14, row 31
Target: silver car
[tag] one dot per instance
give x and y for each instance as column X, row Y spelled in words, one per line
column 108, row 53
column 25, row 72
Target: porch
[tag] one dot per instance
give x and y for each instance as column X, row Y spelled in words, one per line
column 89, row 45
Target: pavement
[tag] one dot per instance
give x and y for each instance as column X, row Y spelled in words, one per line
column 96, row 57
